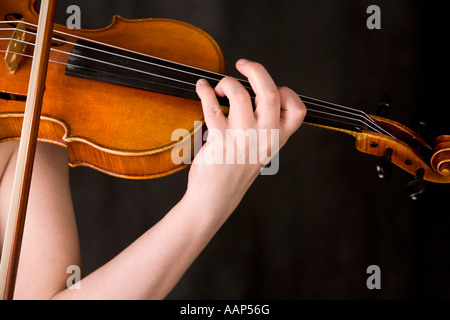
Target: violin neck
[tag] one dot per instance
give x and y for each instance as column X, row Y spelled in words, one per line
column 112, row 65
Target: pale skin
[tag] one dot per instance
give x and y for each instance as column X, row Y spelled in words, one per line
column 156, row 261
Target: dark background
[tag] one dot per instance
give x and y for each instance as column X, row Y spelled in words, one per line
column 311, row 231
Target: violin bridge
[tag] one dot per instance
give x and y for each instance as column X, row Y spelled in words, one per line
column 16, row 47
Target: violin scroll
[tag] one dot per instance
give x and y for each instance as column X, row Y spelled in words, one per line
column 440, row 161
column 409, row 151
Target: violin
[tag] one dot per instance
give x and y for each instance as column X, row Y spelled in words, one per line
column 113, row 98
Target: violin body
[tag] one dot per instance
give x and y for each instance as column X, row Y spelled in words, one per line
column 118, row 130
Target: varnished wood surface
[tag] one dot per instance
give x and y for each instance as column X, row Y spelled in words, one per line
column 403, row 155
column 127, row 132
column 121, row 131
column 441, row 158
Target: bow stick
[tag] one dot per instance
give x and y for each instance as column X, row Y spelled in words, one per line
column 27, row 148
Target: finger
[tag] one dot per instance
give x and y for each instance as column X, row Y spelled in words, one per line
column 267, row 95
column 212, row 111
column 293, row 111
column 241, row 109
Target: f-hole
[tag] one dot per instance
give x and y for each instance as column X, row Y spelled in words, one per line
column 13, row 17
column 12, row 97
column 36, row 6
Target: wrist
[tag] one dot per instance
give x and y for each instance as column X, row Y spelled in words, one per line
column 210, row 207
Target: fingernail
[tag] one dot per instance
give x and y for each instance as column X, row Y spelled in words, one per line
column 202, row 82
column 242, row 61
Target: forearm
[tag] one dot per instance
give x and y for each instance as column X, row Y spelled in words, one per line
column 151, row 266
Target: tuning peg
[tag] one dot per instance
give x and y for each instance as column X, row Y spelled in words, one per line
column 384, row 164
column 384, row 108
column 421, row 126
column 416, row 187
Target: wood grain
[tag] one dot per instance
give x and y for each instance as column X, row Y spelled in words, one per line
column 118, row 130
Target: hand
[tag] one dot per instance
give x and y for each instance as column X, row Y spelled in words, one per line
column 218, row 179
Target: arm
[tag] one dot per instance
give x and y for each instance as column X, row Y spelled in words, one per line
column 151, row 266
column 50, row 242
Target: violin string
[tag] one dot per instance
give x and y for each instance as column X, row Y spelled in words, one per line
column 331, row 116
column 309, row 103
column 116, row 47
column 346, row 120
column 350, row 119
column 370, row 123
column 116, row 54
column 247, row 84
column 142, row 61
column 147, row 62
